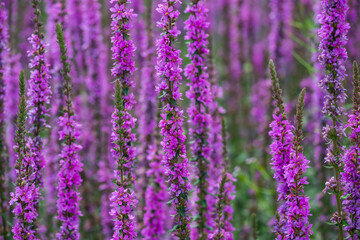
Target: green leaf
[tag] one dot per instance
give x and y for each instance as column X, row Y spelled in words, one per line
column 169, row 202
column 173, row 229
column 182, row 211
column 184, row 196
column 173, row 102
column 169, row 116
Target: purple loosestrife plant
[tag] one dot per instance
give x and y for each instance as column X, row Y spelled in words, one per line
column 70, row 166
column 123, row 199
column 280, row 42
column 298, row 212
column 171, row 123
column 333, row 56
column 199, row 94
column 229, row 187
column 215, row 141
column 282, row 136
column 96, row 129
column 38, row 94
column 56, row 12
column 25, row 197
column 146, row 109
column 12, row 72
column 220, row 232
column 155, row 210
column 224, row 211
column 351, row 174
column 4, row 53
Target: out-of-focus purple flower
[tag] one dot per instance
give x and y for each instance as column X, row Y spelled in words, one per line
column 147, row 107
column 215, row 141
column 171, row 123
column 123, row 200
column 200, row 97
column 13, row 68
column 4, row 167
column 156, row 211
column 280, row 42
column 261, row 100
column 96, row 104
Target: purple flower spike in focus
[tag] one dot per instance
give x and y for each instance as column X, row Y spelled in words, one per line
column 333, row 56
column 25, row 197
column 156, row 211
column 38, row 94
column 70, row 165
column 351, row 174
column 123, row 199
column 282, row 136
column 199, row 94
column 298, row 227
column 171, row 123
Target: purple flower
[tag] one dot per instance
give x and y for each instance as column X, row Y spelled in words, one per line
column 226, row 193
column 123, row 199
column 70, row 166
column 282, row 137
column 298, row 208
column 156, row 211
column 351, row 175
column 39, row 94
column 200, row 97
column 4, row 54
column 280, row 42
column 25, row 197
column 12, row 72
column 171, row 123
column 55, row 13
column 150, row 168
column 333, row 56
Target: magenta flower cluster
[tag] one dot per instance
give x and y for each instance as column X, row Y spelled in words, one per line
column 68, row 203
column 155, row 222
column 289, row 165
column 282, row 136
column 199, row 94
column 39, row 93
column 351, row 176
column 171, row 123
column 123, row 200
column 333, row 55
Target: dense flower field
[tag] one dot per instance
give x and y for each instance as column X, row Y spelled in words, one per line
column 170, row 119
